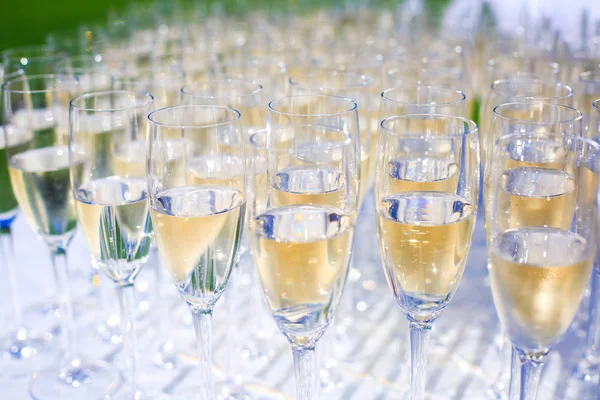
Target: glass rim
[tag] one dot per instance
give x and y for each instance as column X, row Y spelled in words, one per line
column 590, row 77
column 72, row 104
column 23, row 77
column 352, row 105
column 499, row 107
column 252, row 138
column 493, row 62
column 531, row 79
column 153, row 114
column 473, row 128
column 596, row 105
column 38, row 51
column 11, row 75
column 256, row 87
column 362, row 81
column 256, row 63
column 462, row 97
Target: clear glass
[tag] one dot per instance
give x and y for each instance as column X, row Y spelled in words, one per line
column 24, row 350
column 541, row 222
column 33, row 60
column 95, row 72
column 242, row 94
column 271, row 74
column 163, row 83
column 520, row 65
column 303, row 209
column 586, row 92
column 39, row 175
column 197, row 185
column 522, row 90
column 426, row 198
column 592, row 353
column 107, row 146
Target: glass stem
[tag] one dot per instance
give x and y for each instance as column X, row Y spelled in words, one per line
column 203, row 328
column 531, row 372
column 61, row 273
column 515, row 375
column 162, row 306
column 419, row 343
column 306, row 370
column 7, row 252
column 126, row 294
column 593, row 333
column 230, row 333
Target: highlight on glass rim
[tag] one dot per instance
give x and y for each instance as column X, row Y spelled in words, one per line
column 300, row 199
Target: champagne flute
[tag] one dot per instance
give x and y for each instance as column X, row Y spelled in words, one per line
column 541, row 223
column 522, row 90
column 33, row 60
column 592, row 353
column 587, row 91
column 355, row 86
column 303, row 215
column 198, row 219
column 426, row 192
column 23, row 350
column 111, row 197
column 163, row 83
column 39, row 175
column 242, row 94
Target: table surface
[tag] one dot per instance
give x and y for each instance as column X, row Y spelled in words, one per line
column 363, row 354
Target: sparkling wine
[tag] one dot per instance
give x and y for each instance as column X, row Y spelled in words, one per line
column 532, row 196
column 198, row 231
column 302, row 254
column 308, row 184
column 425, row 239
column 42, row 186
column 113, row 213
column 538, row 277
column 18, row 141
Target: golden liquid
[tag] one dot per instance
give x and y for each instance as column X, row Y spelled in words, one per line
column 41, row 183
column 538, row 277
column 197, row 235
column 89, row 220
column 366, row 176
column 113, row 213
column 302, row 255
column 535, row 197
column 426, row 174
column 425, row 238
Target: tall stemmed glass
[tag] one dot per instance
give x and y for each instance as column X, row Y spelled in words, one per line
column 542, row 222
column 301, row 231
column 110, row 196
column 244, row 95
column 33, row 60
column 163, row 83
column 197, row 184
column 426, row 193
column 523, row 90
column 592, row 353
column 39, row 174
column 23, row 350
column 586, row 92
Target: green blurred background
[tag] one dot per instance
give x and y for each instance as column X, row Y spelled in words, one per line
column 30, row 21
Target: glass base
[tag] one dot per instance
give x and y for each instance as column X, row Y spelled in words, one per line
column 226, row 391
column 23, row 352
column 77, row 380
